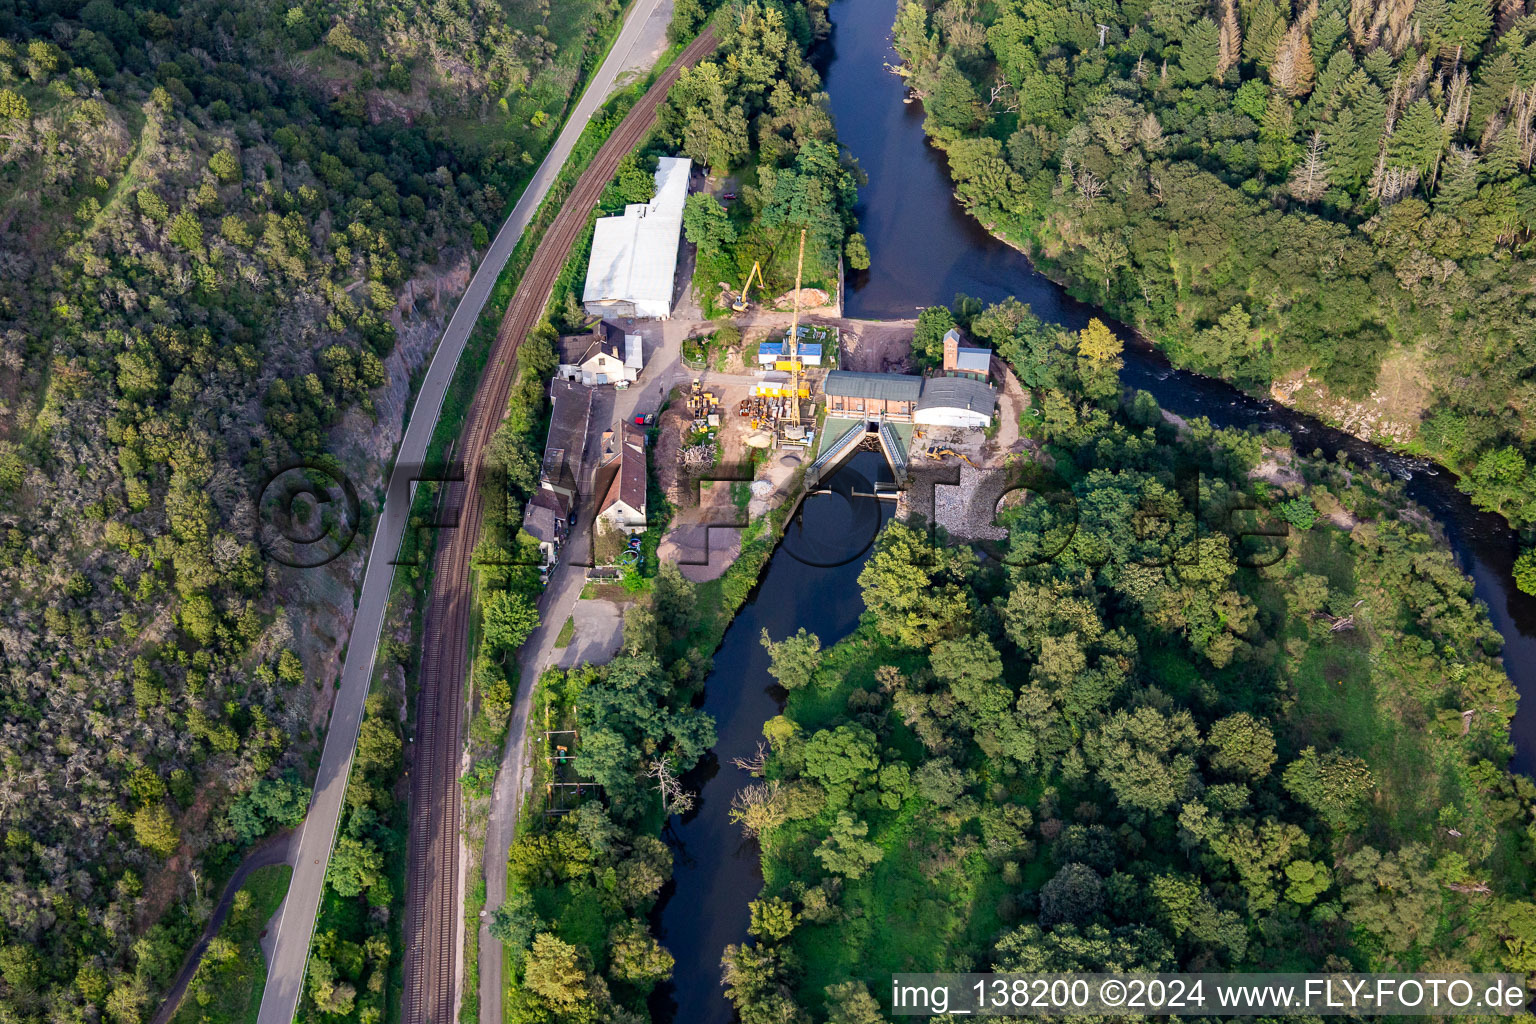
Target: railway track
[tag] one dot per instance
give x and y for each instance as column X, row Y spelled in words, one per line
column 432, row 877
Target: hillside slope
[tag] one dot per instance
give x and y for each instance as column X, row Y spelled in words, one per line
column 228, row 237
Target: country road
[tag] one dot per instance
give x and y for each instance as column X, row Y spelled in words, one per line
column 269, row 852
column 285, row 975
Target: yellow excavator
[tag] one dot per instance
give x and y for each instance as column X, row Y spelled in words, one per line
column 937, row 453
column 740, row 305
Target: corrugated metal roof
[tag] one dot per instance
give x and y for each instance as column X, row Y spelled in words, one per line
column 889, row 386
column 634, row 255
column 974, row 360
column 892, row 387
column 957, row 393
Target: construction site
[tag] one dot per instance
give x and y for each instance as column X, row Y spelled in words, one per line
column 810, row 395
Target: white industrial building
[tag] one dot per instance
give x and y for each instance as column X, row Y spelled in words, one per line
column 955, row 402
column 634, row 255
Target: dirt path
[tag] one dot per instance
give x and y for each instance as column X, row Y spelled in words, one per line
column 267, row 853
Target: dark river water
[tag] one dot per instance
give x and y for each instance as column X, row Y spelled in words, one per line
column 924, row 249
column 811, row 581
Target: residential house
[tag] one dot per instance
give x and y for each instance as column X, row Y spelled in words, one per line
column 623, row 506
column 551, row 512
column 606, row 356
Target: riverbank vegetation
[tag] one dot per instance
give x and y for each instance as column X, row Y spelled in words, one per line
column 214, row 222
column 611, row 744
column 755, row 115
column 588, row 862
column 1162, row 733
column 355, row 957
column 1281, row 194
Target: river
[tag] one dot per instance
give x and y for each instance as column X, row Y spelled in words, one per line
column 811, row 581
column 924, row 248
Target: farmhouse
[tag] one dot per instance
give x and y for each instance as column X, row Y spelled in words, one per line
column 634, row 255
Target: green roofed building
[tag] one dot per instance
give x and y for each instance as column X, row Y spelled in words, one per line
column 864, row 395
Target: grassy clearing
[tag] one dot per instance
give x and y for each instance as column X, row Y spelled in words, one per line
column 229, row 981
column 567, row 632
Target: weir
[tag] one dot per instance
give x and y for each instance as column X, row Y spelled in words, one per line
column 841, row 450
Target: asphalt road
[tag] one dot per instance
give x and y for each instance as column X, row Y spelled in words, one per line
column 269, row 852
column 285, row 974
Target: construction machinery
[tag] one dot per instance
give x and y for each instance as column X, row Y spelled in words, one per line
column 794, row 430
column 938, row 453
column 740, row 305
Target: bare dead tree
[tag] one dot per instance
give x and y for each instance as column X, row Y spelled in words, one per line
column 755, row 764
column 758, row 808
column 674, row 798
column 1309, row 179
column 1003, row 91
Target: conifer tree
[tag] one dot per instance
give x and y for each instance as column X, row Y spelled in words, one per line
column 1496, row 79
column 1458, row 180
column 1263, row 26
column 1309, row 178
column 1353, row 138
column 1231, row 48
column 1292, row 69
column 1200, row 56
column 1418, row 139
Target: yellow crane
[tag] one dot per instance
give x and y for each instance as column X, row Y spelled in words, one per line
column 740, row 305
column 794, row 341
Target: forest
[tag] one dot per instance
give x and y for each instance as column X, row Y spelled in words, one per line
column 214, row 221
column 1124, row 740
column 1330, row 198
